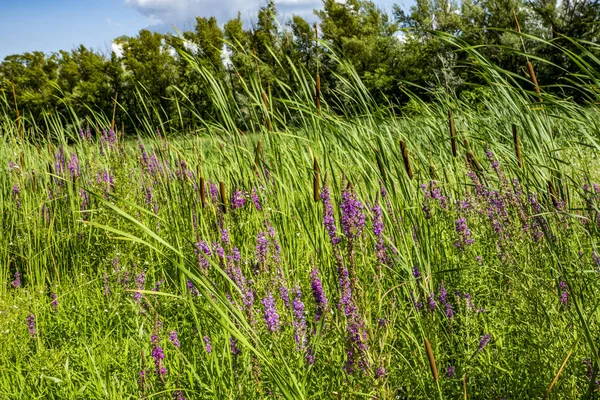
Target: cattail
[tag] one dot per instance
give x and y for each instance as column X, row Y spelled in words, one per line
column 223, row 197
column 432, row 172
column 203, row 191
column 112, row 125
column 452, row 132
column 258, row 155
column 266, row 103
column 317, row 177
column 465, row 386
column 472, row 160
column 534, row 80
column 431, row 358
column 318, row 93
column 517, row 145
column 406, row 159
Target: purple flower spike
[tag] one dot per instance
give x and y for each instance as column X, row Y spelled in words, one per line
column 31, row 325
column 270, row 314
column 207, row 345
column 17, row 282
column 319, row 296
column 485, row 339
column 174, row 339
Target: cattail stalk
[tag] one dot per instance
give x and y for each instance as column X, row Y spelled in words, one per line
column 380, row 166
column 266, row 103
column 258, row 155
column 318, row 93
column 552, row 192
column 317, row 177
column 534, row 80
column 112, row 125
column 203, row 191
column 223, row 197
column 19, row 128
column 406, row 160
column 430, row 356
column 465, row 386
column 517, row 145
column 452, row 132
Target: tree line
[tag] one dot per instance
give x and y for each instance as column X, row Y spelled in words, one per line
column 391, row 53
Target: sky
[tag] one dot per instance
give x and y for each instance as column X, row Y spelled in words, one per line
column 52, row 25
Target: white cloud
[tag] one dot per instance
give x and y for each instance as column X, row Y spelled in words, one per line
column 117, row 49
column 183, row 12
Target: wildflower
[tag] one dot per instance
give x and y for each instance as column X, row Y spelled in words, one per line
column 16, row 195
column 270, row 314
column 54, row 302
column 73, row 166
column 319, row 296
column 233, row 347
column 564, row 297
column 262, row 247
column 285, row 295
column 203, row 251
column 431, row 304
column 346, row 292
column 139, row 281
column 450, row 371
column 380, row 372
column 328, row 218
column 174, row 339
column 224, row 236
column 464, row 233
column 207, row 345
column 178, row 395
column 378, row 228
column 192, row 288
column 299, row 319
column 256, row 200
column 158, row 355
column 17, row 282
column 416, row 273
column 31, row 325
column 237, row 199
column 353, row 218
column 485, row 339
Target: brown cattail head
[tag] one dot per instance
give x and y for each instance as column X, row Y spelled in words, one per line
column 431, row 359
column 258, row 155
column 534, row 80
column 203, row 191
column 318, row 93
column 223, row 197
column 452, row 132
column 471, row 159
column 432, row 172
column 517, row 145
column 406, row 159
column 317, row 177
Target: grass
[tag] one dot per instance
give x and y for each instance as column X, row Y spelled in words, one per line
column 121, row 244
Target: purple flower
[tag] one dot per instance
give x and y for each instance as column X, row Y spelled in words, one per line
column 255, row 199
column 224, row 236
column 380, row 372
column 346, row 292
column 54, row 302
column 73, row 166
column 450, row 371
column 328, row 218
column 485, row 339
column 192, row 288
column 262, row 247
column 464, row 233
column 353, row 217
column 416, row 273
column 17, row 282
column 431, row 304
column 203, row 251
column 238, row 199
column 174, row 339
column 139, row 281
column 31, row 325
column 319, row 296
column 299, row 319
column 270, row 313
column 285, row 296
column 158, row 355
column 233, row 347
column 106, row 285
column 178, row 395
column 207, row 345
column 564, row 297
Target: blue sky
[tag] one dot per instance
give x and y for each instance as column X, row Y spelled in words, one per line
column 52, row 25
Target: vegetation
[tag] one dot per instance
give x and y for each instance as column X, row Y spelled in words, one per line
column 280, row 229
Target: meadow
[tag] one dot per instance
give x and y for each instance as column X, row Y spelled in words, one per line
column 446, row 252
